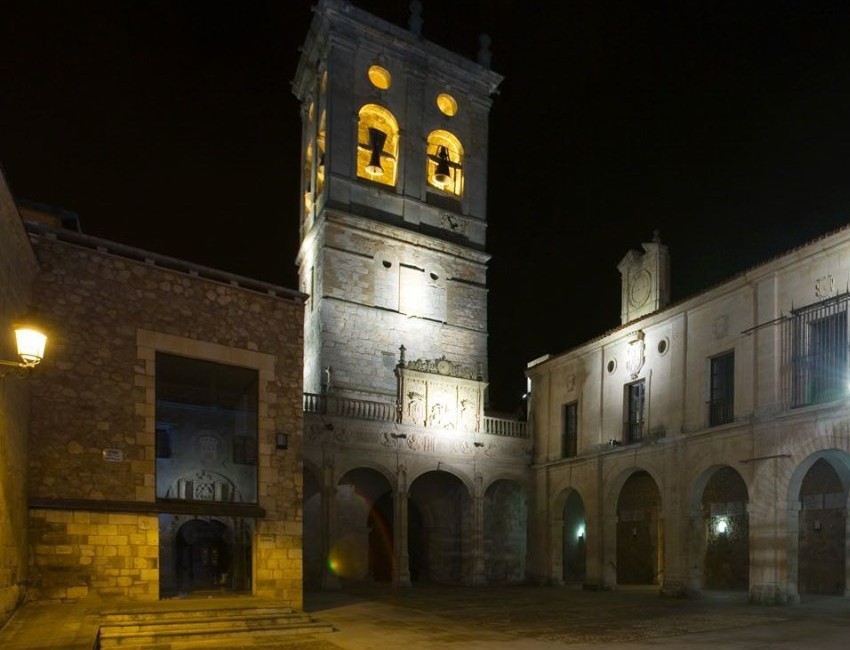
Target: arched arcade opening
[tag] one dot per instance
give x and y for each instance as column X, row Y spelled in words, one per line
column 640, row 537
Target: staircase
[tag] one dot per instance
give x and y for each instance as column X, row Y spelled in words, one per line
column 167, row 625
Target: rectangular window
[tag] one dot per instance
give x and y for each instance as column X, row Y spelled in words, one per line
column 209, row 411
column 635, row 408
column 816, row 352
column 569, row 446
column 828, row 357
column 721, row 403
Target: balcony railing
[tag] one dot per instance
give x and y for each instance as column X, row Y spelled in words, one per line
column 503, row 427
column 362, row 409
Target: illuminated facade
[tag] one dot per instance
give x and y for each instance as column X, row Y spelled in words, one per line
column 406, row 477
column 150, row 464
column 705, row 444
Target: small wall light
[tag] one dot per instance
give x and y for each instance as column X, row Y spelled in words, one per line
column 31, row 341
column 282, row 441
column 721, row 526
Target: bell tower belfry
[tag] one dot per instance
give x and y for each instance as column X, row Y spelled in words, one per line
column 393, row 210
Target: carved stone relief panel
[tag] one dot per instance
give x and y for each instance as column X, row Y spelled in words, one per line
column 468, row 400
column 440, row 394
column 825, row 287
column 635, row 355
column 442, row 406
column 413, row 402
column 721, row 326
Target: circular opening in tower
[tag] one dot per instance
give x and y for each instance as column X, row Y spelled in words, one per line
column 447, row 104
column 380, row 77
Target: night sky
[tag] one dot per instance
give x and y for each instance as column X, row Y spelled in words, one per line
column 725, row 125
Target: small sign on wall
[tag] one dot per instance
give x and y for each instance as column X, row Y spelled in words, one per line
column 113, row 455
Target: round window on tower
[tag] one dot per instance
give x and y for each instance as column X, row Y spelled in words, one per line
column 447, row 104
column 380, row 77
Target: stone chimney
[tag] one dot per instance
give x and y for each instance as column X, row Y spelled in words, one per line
column 646, row 280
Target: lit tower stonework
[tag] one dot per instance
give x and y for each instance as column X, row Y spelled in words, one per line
column 394, row 202
column 392, row 255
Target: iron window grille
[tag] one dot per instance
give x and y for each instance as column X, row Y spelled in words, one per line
column 635, row 408
column 721, row 403
column 815, row 351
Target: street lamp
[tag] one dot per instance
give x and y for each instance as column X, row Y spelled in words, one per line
column 31, row 340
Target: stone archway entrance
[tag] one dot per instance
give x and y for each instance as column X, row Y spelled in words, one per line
column 204, row 555
column 822, row 531
column 575, row 547
column 441, row 550
column 726, row 562
column 505, row 532
column 640, row 535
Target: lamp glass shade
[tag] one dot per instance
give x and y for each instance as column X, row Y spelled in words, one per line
column 31, row 342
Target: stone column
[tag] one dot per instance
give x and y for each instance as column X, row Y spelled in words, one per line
column 330, row 580
column 696, row 554
column 478, row 576
column 609, row 551
column 401, row 561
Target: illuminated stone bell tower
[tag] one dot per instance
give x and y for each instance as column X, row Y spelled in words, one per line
column 393, row 213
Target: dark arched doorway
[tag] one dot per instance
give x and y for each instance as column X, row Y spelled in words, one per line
column 211, row 556
column 639, row 534
column 575, row 547
column 363, row 548
column 505, row 532
column 726, row 564
column 440, row 541
column 822, row 531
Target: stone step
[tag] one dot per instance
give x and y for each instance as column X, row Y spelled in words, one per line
column 235, row 627
column 153, row 614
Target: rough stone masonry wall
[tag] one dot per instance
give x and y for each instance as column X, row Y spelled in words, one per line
column 76, row 553
column 17, row 269
column 96, row 393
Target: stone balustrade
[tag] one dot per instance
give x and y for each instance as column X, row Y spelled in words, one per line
column 362, row 409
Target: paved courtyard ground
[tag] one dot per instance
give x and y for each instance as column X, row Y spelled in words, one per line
column 507, row 618
column 547, row 618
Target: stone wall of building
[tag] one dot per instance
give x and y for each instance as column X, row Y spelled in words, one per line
column 77, row 553
column 385, row 288
column 92, row 446
column 773, row 428
column 17, row 270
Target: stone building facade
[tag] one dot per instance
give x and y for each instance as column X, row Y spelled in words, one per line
column 705, row 444
column 18, row 268
column 162, row 452
column 406, row 477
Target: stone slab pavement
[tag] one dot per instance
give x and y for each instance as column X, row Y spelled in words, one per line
column 506, row 618
column 550, row 618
